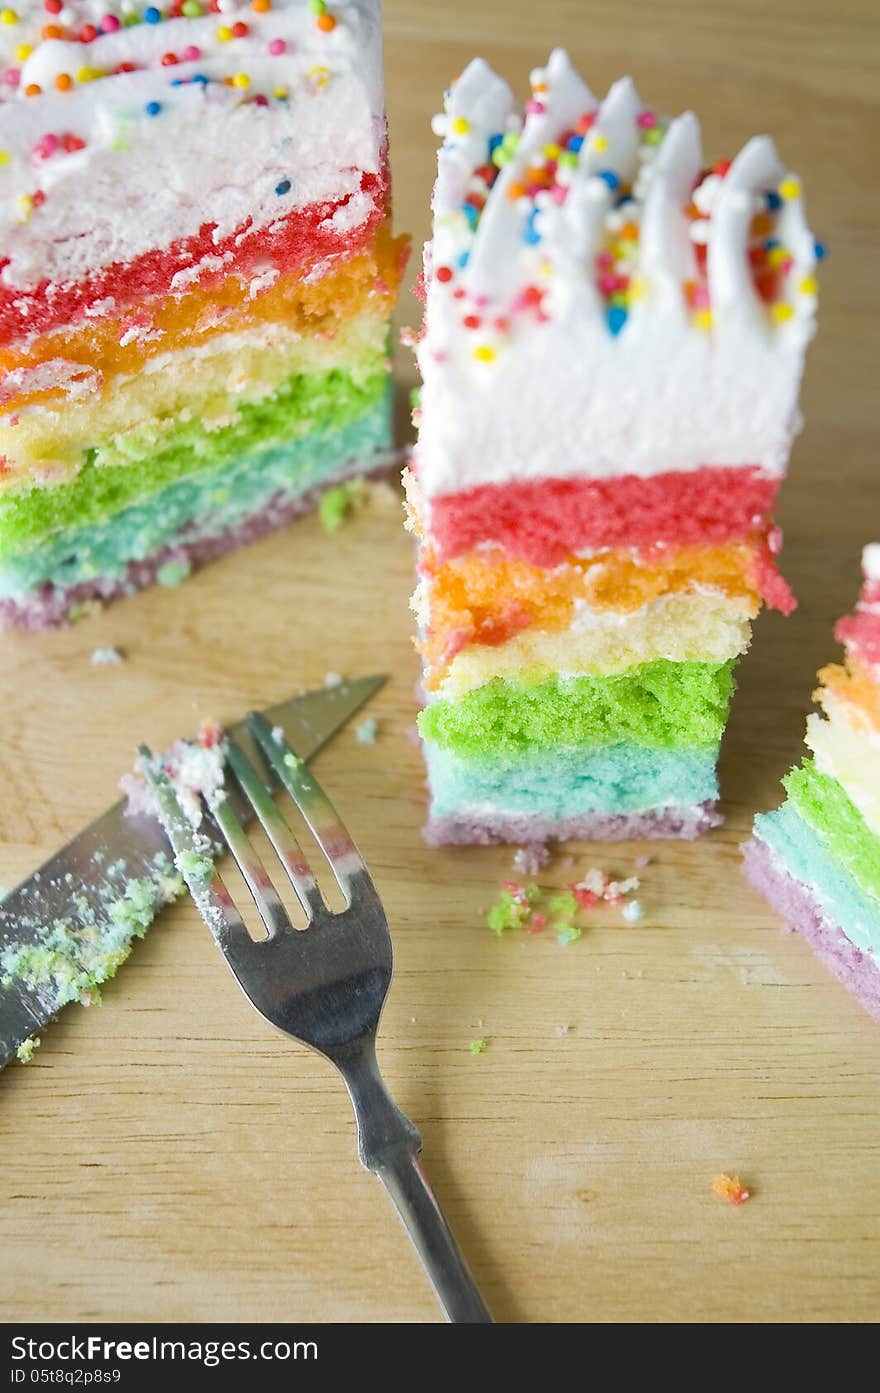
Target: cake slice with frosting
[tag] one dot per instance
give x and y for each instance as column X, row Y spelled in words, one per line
column 196, row 280
column 817, row 857
column 611, row 355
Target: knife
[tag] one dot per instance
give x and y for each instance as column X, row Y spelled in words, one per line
column 118, row 873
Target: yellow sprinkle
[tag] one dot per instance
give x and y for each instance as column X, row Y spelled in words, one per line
column 319, row 76
column 781, row 311
column 84, row 74
column 809, row 286
column 280, row 92
column 8, row 17
column 484, row 353
column 224, row 34
column 5, row 157
column 460, row 126
column 25, row 205
column 598, row 142
column 241, row 80
column 777, row 255
column 637, row 288
column 23, row 52
column 703, row 319
column 552, row 152
column 545, row 268
column 790, row 188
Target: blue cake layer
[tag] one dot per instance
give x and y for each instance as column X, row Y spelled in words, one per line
column 808, row 859
column 568, row 783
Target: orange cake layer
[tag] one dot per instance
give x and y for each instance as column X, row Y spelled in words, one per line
column 65, row 361
column 855, row 687
column 488, row 596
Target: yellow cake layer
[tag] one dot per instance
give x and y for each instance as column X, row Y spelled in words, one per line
column 47, row 443
column 56, row 365
column 850, row 754
column 854, row 686
column 695, row 626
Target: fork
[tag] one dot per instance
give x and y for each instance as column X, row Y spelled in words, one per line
column 326, row 984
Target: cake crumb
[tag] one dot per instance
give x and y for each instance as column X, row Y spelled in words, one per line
column 173, row 573
column 641, row 862
column 333, row 679
column 278, row 734
column 105, row 657
column 338, row 503
column 478, row 1046
column 568, row 933
column 366, row 732
column 730, row 1188
column 633, row 911
column 529, row 860
column 563, row 1030
column 25, row 1052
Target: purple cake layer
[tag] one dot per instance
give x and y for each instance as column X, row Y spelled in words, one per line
column 51, row 605
column 858, row 971
column 684, row 822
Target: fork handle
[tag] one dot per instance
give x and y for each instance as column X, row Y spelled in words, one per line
column 404, row 1178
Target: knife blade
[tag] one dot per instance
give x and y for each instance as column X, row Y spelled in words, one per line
column 89, row 882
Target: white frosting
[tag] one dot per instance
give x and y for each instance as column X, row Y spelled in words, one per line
column 871, row 561
column 558, row 393
column 212, row 154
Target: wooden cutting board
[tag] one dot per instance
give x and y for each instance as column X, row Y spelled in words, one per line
column 166, row 1156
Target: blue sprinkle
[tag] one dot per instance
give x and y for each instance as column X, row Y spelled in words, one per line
column 820, row 251
column 464, row 259
column 471, row 213
column 494, row 142
column 152, row 15
column 770, row 244
column 177, row 81
column 200, row 77
column 153, row 108
column 283, row 187
column 611, row 179
column 574, row 143
column 774, row 202
column 531, row 235
column 616, row 317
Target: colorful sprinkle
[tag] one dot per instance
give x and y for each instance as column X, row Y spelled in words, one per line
column 153, row 108
column 152, row 15
column 277, row 47
column 730, row 1188
column 283, row 187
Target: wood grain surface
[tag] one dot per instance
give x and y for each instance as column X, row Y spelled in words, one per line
column 167, row 1157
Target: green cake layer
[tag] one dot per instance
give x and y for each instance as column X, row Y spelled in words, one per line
column 826, row 807
column 661, row 705
column 136, row 466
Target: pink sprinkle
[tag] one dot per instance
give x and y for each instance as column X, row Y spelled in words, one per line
column 533, row 107
column 607, row 284
column 646, row 120
column 191, row 54
column 12, row 77
column 46, row 146
column 604, row 260
column 277, row 46
column 110, row 24
column 260, row 100
column 559, row 193
column 701, row 297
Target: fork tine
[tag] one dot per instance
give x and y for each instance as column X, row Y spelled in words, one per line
column 249, row 862
column 193, row 860
column 314, row 805
column 277, row 830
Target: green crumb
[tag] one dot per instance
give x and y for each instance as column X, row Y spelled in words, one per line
column 568, row 933
column 173, row 573
column 194, row 867
column 335, row 506
column 292, row 761
column 73, row 955
column 25, row 1052
column 565, row 905
column 509, row 913
column 478, row 1046
column 366, row 732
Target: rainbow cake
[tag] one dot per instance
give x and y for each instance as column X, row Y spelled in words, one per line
column 196, row 279
column 611, row 356
column 817, row 858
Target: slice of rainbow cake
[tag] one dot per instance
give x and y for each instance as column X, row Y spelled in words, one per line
column 196, row 279
column 817, row 858
column 611, row 357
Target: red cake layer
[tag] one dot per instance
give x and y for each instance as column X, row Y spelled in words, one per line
column 860, row 632
column 302, row 239
column 544, row 521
